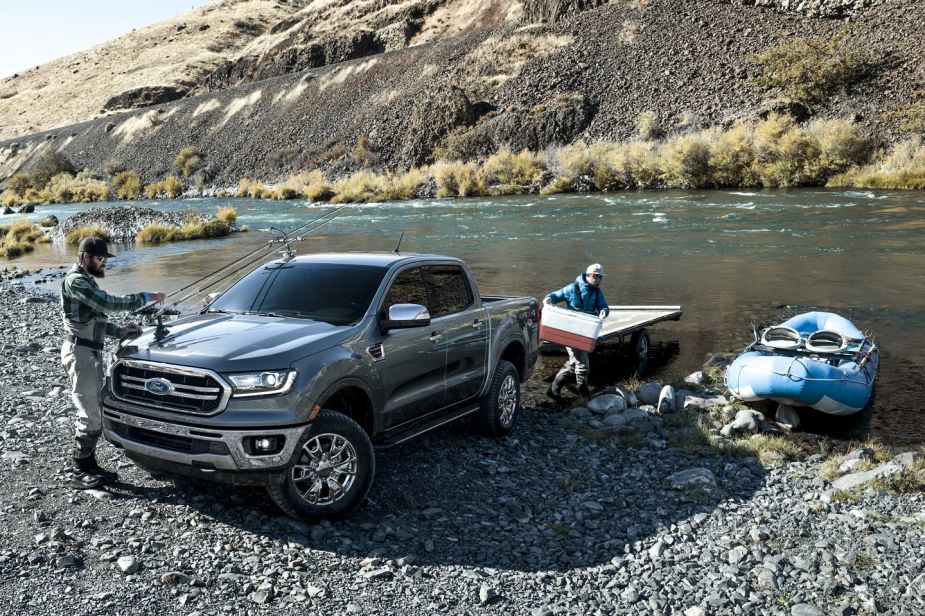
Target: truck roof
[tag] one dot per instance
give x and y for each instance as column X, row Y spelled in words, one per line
column 382, row 259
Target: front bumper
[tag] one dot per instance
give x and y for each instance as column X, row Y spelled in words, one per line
column 215, row 454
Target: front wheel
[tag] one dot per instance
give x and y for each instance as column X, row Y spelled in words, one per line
column 499, row 406
column 332, row 471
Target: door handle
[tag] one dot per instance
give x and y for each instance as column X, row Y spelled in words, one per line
column 477, row 324
column 435, row 337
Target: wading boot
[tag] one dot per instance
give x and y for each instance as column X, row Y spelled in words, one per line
column 584, row 392
column 89, row 466
column 553, row 392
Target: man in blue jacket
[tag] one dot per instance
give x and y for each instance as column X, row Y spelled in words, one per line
column 586, row 296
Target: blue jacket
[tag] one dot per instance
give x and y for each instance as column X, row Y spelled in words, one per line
column 581, row 296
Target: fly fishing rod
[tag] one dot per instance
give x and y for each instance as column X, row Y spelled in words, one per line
column 260, row 253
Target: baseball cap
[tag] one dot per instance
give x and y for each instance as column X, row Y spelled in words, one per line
column 94, row 246
column 595, row 268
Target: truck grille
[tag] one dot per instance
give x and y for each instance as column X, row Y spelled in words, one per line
column 187, row 390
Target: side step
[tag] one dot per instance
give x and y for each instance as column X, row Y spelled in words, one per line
column 406, row 435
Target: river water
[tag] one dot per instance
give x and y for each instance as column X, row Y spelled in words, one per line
column 728, row 258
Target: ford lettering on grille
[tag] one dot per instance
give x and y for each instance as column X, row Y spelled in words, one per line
column 160, row 387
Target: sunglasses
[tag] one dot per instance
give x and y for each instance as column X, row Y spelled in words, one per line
column 596, row 275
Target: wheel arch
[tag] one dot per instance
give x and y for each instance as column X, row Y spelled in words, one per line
column 352, row 398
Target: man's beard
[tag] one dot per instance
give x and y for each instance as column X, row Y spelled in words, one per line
column 96, row 270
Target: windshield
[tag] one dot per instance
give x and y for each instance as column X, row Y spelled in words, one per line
column 332, row 293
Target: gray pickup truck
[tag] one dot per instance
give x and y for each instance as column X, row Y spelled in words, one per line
column 293, row 376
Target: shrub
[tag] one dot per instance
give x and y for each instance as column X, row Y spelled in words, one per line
column 312, row 185
column 76, row 234
column 902, row 168
column 127, row 184
column 188, row 161
column 19, row 183
column 285, row 192
column 11, row 200
column 559, row 185
column 172, row 186
column 82, row 188
column 732, row 156
column 403, row 186
column 458, row 179
column 204, row 229
column 253, row 189
column 228, row 215
column 687, row 162
column 157, row 234
column 362, row 153
column 49, row 221
column 808, row 70
column 505, row 167
column 361, row 186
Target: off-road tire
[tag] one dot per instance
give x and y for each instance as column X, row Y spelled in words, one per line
column 500, row 405
column 330, row 430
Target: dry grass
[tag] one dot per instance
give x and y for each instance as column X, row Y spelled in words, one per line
column 903, row 167
column 170, row 187
column 19, row 238
column 228, row 215
column 126, row 185
column 194, row 228
column 188, row 161
column 497, row 60
column 157, row 234
column 78, row 233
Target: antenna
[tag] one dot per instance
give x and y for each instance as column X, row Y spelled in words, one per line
column 399, row 242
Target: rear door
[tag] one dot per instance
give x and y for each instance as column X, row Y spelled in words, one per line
column 464, row 327
column 412, row 360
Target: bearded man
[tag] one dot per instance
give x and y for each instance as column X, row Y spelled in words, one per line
column 84, row 306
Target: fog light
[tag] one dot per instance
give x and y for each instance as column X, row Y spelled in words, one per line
column 264, row 444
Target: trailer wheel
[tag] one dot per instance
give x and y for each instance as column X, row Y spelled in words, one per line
column 498, row 408
column 640, row 345
column 332, row 470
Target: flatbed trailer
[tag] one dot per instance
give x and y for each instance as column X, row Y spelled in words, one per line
column 632, row 321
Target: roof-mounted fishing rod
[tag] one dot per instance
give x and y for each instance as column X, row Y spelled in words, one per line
column 257, row 254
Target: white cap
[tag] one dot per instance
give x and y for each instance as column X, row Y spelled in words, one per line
column 595, row 268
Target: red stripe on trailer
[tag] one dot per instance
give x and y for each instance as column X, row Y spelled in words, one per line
column 558, row 336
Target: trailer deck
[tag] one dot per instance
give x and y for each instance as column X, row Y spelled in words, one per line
column 624, row 320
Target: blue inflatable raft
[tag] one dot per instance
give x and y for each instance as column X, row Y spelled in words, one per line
column 817, row 359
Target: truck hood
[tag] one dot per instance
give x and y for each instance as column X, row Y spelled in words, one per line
column 235, row 342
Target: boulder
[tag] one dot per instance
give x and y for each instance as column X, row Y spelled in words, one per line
column 616, row 420
column 631, row 400
column 909, row 459
column 697, row 378
column 606, row 403
column 7, row 210
column 862, row 453
column 746, row 421
column 666, row 400
column 858, row 479
column 704, row 401
column 26, row 209
column 649, row 393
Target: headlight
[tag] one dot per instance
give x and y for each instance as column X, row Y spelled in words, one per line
column 261, row 383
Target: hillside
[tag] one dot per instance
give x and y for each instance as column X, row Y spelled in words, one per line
column 519, row 74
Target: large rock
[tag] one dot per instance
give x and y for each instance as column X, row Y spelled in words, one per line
column 144, row 97
column 666, row 400
column 746, row 421
column 855, row 480
column 908, row 459
column 649, row 393
column 607, row 403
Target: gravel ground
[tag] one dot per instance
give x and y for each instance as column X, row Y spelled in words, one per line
column 542, row 522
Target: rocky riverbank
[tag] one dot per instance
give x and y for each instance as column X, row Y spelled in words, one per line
column 597, row 509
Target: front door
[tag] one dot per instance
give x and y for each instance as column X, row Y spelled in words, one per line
column 413, row 360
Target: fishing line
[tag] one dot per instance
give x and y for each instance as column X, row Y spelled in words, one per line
column 306, row 228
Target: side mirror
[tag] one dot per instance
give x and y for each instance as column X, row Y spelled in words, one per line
column 402, row 316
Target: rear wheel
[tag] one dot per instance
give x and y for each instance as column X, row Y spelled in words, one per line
column 499, row 406
column 332, row 471
column 640, row 346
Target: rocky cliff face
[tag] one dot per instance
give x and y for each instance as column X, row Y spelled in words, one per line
column 587, row 74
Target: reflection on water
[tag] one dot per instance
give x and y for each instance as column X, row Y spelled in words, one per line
column 729, row 258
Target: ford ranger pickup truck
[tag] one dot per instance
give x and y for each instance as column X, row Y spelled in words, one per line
column 292, row 377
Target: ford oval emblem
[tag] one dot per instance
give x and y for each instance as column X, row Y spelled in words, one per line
column 161, row 387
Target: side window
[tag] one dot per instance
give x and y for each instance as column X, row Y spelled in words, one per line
column 449, row 289
column 407, row 288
